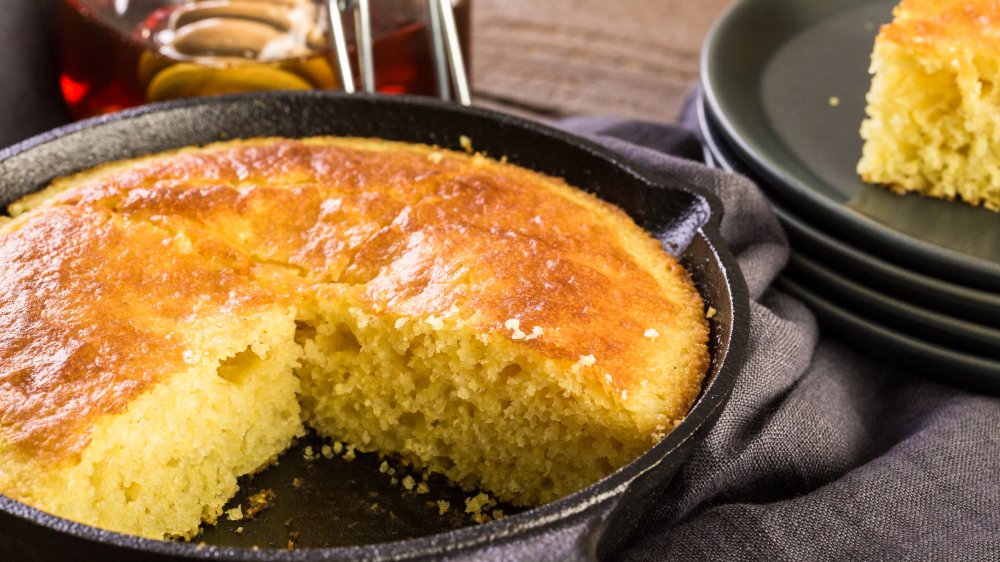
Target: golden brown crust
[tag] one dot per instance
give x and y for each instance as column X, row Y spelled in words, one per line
column 93, row 307
column 931, row 23
column 497, row 245
column 98, row 277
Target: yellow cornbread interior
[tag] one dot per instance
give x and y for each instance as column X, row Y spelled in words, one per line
column 480, row 410
column 933, row 116
column 477, row 409
column 172, row 459
column 225, row 422
column 479, row 406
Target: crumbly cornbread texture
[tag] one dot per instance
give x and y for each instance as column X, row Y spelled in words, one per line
column 173, row 322
column 933, row 123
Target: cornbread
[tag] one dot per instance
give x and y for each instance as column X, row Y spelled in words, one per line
column 173, row 322
column 933, row 124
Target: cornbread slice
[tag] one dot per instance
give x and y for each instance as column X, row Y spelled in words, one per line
column 94, row 325
column 173, row 322
column 933, row 124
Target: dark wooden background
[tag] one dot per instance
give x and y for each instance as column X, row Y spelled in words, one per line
column 553, row 58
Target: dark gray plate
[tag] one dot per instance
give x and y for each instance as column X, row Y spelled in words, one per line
column 887, row 341
column 331, row 510
column 769, row 69
column 894, row 347
column 955, row 300
column 949, row 331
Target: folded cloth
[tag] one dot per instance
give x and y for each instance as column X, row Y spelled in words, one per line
column 822, row 453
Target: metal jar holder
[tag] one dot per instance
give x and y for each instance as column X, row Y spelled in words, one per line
column 449, row 64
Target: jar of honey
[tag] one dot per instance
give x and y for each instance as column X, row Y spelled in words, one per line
column 121, row 53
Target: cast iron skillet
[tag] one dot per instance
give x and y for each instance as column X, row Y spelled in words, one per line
column 587, row 524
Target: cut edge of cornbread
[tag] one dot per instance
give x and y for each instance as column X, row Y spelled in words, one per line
column 476, row 408
column 933, row 113
column 230, row 414
column 457, row 403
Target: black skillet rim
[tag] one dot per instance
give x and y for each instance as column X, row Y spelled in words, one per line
column 713, row 397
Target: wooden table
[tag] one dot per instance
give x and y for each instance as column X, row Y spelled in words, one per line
column 554, row 58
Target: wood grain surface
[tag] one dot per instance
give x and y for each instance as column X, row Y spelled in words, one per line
column 553, row 58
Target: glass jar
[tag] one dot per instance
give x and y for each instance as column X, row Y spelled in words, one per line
column 121, row 53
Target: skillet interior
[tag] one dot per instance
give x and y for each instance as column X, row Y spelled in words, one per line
column 678, row 215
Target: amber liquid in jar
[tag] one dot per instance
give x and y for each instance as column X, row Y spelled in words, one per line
column 113, row 58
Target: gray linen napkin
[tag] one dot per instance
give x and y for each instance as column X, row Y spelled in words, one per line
column 821, row 453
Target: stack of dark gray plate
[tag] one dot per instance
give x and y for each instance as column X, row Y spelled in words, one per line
column 913, row 280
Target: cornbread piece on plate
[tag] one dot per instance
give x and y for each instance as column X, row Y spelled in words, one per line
column 173, row 322
column 933, row 123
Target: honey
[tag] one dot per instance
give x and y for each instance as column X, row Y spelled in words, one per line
column 115, row 54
